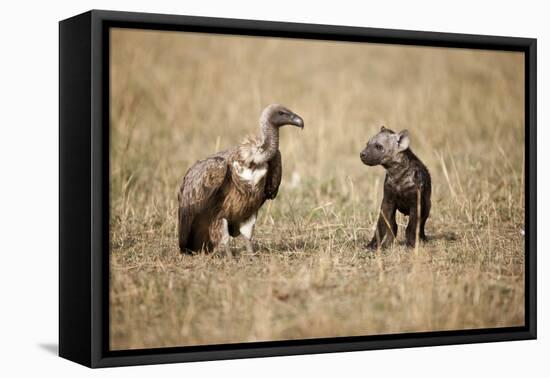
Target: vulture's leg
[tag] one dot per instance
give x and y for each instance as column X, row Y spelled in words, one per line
column 225, row 238
column 219, row 235
column 247, row 229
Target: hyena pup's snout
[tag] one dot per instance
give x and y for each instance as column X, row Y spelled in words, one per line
column 363, row 156
column 369, row 157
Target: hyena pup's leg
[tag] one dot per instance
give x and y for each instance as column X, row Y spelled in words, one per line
column 412, row 233
column 386, row 226
column 424, row 218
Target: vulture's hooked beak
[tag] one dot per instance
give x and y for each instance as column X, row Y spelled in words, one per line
column 296, row 120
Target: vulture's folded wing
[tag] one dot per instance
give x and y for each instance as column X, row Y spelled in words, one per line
column 274, row 175
column 198, row 191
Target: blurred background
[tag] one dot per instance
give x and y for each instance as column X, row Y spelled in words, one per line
column 179, row 97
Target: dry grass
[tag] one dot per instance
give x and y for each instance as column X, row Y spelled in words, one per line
column 179, row 97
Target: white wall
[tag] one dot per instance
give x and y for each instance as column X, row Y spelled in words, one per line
column 28, row 185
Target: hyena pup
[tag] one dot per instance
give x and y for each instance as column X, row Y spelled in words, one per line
column 407, row 187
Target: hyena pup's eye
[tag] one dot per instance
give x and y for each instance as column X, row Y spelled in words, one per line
column 378, row 146
column 281, row 112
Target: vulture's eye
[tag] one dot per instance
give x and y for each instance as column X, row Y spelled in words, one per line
column 378, row 146
column 281, row 113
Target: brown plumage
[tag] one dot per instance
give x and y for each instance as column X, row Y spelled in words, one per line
column 221, row 195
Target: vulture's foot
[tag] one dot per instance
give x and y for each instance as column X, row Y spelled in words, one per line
column 249, row 246
column 228, row 252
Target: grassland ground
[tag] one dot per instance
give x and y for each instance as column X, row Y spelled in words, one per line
column 176, row 98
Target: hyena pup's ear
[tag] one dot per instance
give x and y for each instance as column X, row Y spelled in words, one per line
column 403, row 140
column 382, row 128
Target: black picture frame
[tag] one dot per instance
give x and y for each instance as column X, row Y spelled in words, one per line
column 84, row 194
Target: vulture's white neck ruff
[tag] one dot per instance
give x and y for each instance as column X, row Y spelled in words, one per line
column 250, row 175
column 256, row 153
column 262, row 149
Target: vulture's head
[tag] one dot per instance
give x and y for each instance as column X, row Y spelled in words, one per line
column 277, row 115
column 383, row 148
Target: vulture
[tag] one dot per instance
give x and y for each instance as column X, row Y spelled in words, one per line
column 220, row 196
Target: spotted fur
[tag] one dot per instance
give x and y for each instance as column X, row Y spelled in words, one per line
column 407, row 180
